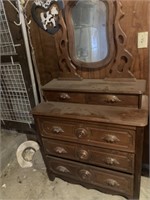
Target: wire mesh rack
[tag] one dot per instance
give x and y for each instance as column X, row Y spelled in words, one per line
column 15, row 103
column 7, row 46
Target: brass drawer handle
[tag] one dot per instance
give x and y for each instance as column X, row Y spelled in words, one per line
column 60, row 150
column 62, row 169
column 110, row 139
column 81, row 132
column 83, row 154
column 64, row 96
column 85, row 174
column 111, row 161
column 57, row 130
column 112, row 183
column 112, row 99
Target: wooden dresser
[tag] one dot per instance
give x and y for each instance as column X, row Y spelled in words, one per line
column 94, row 137
column 90, row 128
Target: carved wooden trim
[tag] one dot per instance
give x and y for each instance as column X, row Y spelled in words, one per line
column 123, row 59
column 67, row 69
column 61, row 26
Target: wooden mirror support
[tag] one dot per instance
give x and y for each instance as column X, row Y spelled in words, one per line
column 54, row 19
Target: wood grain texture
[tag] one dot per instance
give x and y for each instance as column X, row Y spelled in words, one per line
column 95, row 113
column 135, row 20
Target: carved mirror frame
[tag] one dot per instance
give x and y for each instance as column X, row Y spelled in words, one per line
column 109, row 31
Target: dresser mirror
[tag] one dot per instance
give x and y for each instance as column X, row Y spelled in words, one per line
column 89, row 20
column 90, row 31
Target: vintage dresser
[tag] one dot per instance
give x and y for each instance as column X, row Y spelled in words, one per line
column 91, row 130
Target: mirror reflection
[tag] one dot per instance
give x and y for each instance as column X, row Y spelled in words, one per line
column 89, row 21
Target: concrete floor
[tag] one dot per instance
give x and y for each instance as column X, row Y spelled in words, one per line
column 32, row 183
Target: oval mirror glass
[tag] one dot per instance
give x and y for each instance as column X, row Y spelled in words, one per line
column 90, row 33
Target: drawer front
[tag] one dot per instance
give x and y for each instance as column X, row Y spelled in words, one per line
column 64, row 97
column 101, row 136
column 113, row 99
column 94, row 98
column 93, row 175
column 101, row 157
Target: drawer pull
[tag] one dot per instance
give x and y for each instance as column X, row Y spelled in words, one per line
column 64, row 96
column 81, row 133
column 110, row 139
column 112, row 99
column 111, row 161
column 85, row 174
column 62, row 169
column 60, row 150
column 83, row 154
column 112, row 183
column 57, row 130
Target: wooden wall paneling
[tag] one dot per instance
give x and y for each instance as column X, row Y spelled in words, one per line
column 134, row 21
column 45, row 50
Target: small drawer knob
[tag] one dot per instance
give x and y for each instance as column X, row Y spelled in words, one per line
column 64, row 96
column 81, row 132
column 112, row 183
column 83, row 154
column 60, row 150
column 57, row 130
column 110, row 139
column 112, row 99
column 111, row 161
column 62, row 169
column 85, row 175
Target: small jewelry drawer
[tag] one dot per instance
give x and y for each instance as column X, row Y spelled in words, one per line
column 99, row 177
column 112, row 159
column 64, row 96
column 114, row 100
column 106, row 137
column 94, row 98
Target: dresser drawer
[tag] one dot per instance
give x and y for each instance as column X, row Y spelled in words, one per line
column 114, row 100
column 94, row 98
column 101, row 157
column 101, row 136
column 64, row 96
column 99, row 177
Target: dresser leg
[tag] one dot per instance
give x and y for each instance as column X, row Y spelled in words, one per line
column 51, row 175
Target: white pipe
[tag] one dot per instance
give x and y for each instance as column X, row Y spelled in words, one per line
column 26, row 42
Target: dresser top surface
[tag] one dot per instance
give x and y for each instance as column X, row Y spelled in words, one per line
column 96, row 85
column 95, row 113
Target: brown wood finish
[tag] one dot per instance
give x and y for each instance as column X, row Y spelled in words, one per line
column 136, row 20
column 138, row 160
column 107, row 143
column 85, row 133
column 97, row 86
column 112, row 159
column 102, row 178
column 95, row 113
column 103, row 99
column 93, row 91
column 91, row 130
